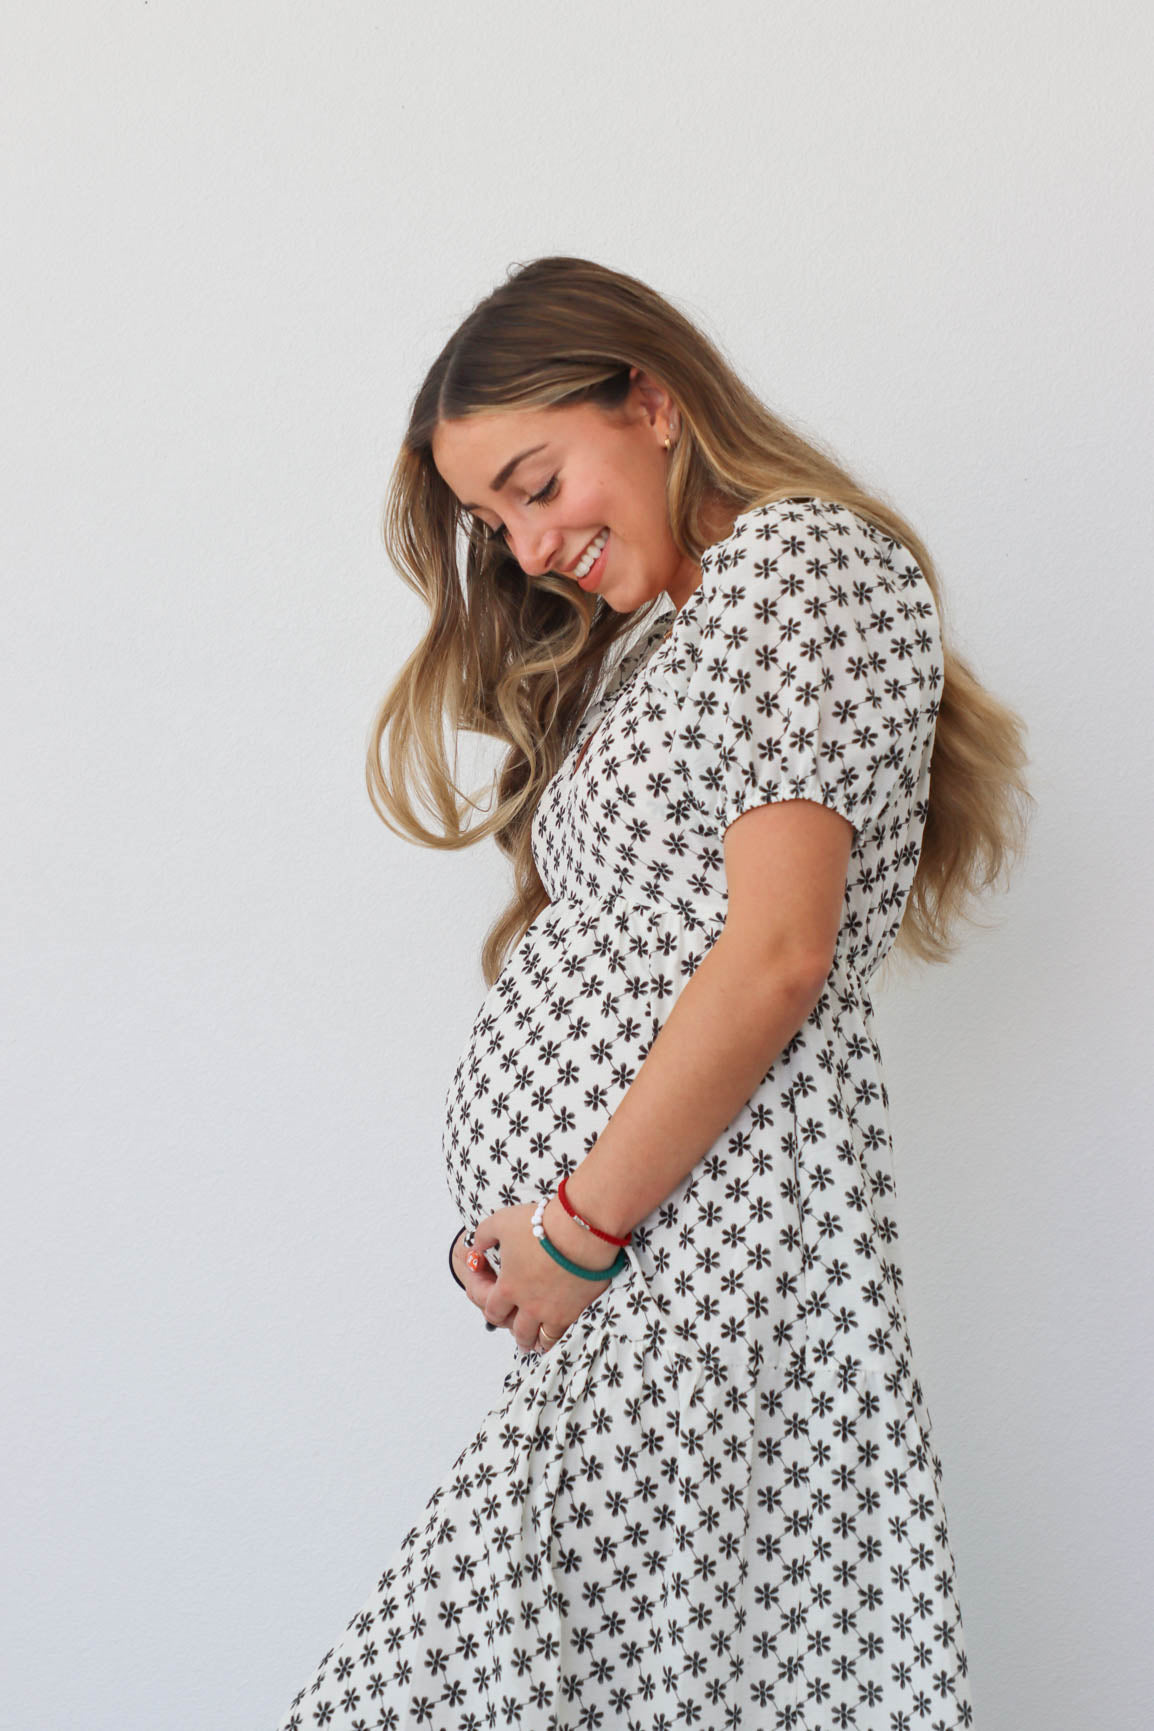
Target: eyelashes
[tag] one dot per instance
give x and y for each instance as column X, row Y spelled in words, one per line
column 545, row 497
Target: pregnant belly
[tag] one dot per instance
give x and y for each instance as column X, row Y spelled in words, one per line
column 554, row 1046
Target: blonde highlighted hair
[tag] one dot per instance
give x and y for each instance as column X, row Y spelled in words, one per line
column 518, row 658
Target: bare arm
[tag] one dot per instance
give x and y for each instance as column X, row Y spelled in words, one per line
column 786, row 869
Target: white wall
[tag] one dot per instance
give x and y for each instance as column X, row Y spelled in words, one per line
column 235, row 236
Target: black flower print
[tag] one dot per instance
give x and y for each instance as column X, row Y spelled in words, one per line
column 716, row 1503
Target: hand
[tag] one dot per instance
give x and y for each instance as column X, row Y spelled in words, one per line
column 533, row 1289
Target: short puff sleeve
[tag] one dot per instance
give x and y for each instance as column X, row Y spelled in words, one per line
column 814, row 667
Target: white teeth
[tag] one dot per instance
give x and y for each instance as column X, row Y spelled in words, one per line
column 590, row 556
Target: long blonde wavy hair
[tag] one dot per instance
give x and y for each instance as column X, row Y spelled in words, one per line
column 518, row 658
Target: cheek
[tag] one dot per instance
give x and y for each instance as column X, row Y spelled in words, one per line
column 591, row 505
column 628, row 493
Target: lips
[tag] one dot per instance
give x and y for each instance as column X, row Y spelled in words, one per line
column 572, row 570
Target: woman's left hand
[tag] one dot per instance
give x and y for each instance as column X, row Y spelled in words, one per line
column 531, row 1288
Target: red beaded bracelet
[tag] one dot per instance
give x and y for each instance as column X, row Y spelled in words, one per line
column 563, row 1199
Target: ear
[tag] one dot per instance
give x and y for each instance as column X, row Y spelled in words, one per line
column 656, row 401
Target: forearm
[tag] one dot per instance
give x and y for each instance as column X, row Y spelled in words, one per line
column 729, row 1024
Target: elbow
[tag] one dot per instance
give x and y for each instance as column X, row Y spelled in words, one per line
column 800, row 973
column 807, row 980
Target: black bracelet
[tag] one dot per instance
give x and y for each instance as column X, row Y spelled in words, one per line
column 452, row 1270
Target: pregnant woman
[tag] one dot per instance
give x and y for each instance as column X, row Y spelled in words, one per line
column 742, row 766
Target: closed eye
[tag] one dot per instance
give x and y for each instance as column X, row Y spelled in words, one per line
column 545, row 497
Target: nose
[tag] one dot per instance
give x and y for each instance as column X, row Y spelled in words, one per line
column 536, row 550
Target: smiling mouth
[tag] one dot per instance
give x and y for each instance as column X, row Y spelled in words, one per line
column 590, row 556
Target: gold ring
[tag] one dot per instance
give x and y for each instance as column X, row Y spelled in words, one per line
column 551, row 1338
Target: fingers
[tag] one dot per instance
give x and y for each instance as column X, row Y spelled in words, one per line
column 525, row 1332
column 479, row 1279
column 487, row 1233
column 498, row 1307
column 539, row 1339
column 478, row 1261
column 483, row 1288
column 529, row 1334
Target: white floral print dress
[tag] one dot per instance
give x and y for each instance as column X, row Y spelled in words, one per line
column 716, row 1504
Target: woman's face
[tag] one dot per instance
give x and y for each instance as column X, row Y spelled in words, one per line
column 553, row 481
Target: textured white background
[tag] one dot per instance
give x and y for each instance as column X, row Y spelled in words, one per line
column 235, row 236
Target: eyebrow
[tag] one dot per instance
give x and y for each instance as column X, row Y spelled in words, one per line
column 498, row 481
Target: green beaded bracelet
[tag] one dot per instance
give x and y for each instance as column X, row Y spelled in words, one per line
column 615, row 1267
